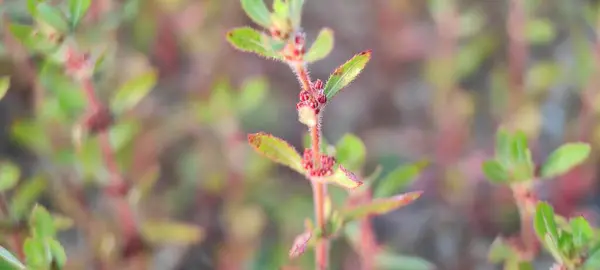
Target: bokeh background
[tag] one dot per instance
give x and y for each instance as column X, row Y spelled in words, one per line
column 443, row 77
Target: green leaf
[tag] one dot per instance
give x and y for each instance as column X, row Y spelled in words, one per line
column 582, row 232
column 322, row 46
column 26, row 196
column 162, row 232
column 519, row 147
column 4, row 85
column 9, row 176
column 35, row 253
column 32, row 6
column 390, row 261
column 380, row 206
column 350, row 151
column 593, row 260
column 253, row 94
column 503, row 142
column 133, row 91
column 247, row 39
column 123, row 133
column 565, row 158
column 59, row 256
column 499, row 251
column 257, row 11
column 346, row 73
column 280, row 7
column 8, row 258
column 52, row 16
column 41, row 223
column 295, row 7
column 544, row 222
column 399, row 178
column 77, row 10
column 552, row 245
column 495, row 172
column 539, row 31
column 277, row 150
column 343, row 178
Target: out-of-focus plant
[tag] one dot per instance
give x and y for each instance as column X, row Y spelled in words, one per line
column 285, row 41
column 83, row 137
column 513, row 166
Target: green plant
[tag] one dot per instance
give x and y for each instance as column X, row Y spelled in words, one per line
column 572, row 243
column 73, row 60
column 286, row 42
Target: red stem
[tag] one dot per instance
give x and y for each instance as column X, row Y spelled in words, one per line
column 319, row 189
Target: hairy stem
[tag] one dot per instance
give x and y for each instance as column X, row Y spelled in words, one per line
column 319, row 189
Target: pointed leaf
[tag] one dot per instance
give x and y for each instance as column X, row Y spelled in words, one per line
column 277, row 150
column 9, row 176
column 552, row 245
column 26, row 196
column 257, row 11
column 346, row 73
column 343, row 178
column 495, row 172
column 593, row 260
column 4, row 85
column 78, row 9
column 499, row 251
column 52, row 16
column 159, row 232
column 321, row 47
column 59, row 256
column 582, row 232
column 380, row 206
column 35, row 253
column 519, row 147
column 565, row 158
column 300, row 244
column 247, row 39
column 544, row 222
column 41, row 223
column 280, row 7
column 350, row 151
column 399, row 178
column 10, row 259
column 133, row 91
column 295, row 7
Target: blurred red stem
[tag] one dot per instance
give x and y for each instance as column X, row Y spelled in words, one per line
column 517, row 51
column 124, row 211
column 367, row 239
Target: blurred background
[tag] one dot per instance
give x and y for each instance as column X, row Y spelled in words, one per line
column 444, row 75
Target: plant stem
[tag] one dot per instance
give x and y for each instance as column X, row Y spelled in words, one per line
column 122, row 207
column 526, row 202
column 319, row 189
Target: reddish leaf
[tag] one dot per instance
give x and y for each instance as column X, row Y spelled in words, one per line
column 381, row 206
column 300, row 244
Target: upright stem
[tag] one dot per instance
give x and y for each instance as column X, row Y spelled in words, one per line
column 319, row 189
column 122, row 207
column 319, row 195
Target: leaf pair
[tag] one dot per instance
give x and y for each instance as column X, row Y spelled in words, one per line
column 258, row 12
column 53, row 15
column 42, row 249
column 569, row 244
column 513, row 161
column 281, row 152
column 248, row 39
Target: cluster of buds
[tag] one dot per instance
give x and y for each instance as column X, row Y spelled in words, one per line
column 295, row 49
column 314, row 99
column 326, row 164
